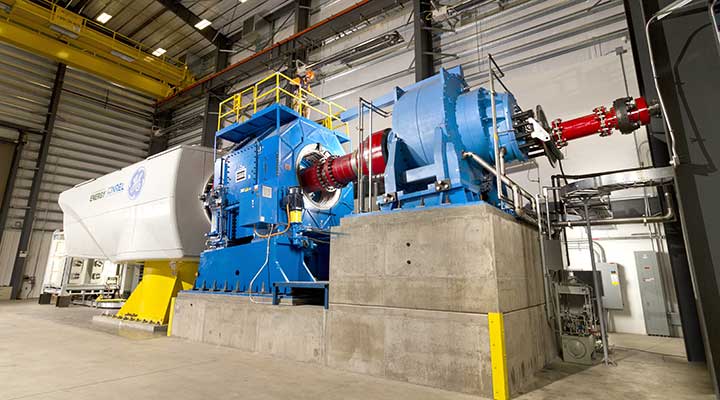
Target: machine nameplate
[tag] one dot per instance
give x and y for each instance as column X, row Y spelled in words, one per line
column 267, row 192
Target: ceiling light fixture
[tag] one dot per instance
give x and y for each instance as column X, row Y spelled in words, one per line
column 122, row 56
column 243, row 1
column 63, row 31
column 203, row 24
column 159, row 51
column 103, row 18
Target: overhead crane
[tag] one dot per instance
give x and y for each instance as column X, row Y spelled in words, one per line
column 47, row 29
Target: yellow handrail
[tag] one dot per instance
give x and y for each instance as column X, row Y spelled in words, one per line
column 235, row 108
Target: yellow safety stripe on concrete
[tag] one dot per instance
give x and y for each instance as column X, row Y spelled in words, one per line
column 498, row 357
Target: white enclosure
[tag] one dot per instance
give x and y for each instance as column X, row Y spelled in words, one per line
column 146, row 211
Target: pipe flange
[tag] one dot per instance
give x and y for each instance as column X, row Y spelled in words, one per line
column 323, row 171
column 600, row 113
column 557, row 133
column 331, row 177
column 623, row 107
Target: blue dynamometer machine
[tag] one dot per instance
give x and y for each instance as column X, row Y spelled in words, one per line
column 286, row 180
column 265, row 228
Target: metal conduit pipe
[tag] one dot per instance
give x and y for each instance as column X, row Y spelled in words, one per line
column 546, row 274
column 668, row 216
column 674, row 158
column 713, row 20
column 601, row 253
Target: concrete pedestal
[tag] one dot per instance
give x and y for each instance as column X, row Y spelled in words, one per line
column 410, row 293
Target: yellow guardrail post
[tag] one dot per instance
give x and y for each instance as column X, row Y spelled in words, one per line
column 277, row 87
column 498, row 357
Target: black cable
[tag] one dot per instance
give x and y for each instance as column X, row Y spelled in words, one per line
column 562, row 171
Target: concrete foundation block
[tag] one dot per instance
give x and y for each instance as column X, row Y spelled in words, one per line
column 410, row 293
column 291, row 332
column 441, row 349
column 465, row 259
column 432, row 348
column 530, row 344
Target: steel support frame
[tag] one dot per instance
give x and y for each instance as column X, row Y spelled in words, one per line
column 18, row 270
column 269, row 57
column 422, row 16
column 221, row 43
column 687, row 78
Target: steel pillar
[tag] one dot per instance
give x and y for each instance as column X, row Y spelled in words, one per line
column 424, row 68
column 10, row 184
column 24, row 243
column 212, row 103
column 302, row 22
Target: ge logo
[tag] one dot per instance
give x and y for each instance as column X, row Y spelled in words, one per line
column 136, row 183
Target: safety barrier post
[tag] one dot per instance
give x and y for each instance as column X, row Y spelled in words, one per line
column 498, row 357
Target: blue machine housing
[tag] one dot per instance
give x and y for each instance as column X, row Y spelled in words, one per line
column 251, row 183
column 434, row 121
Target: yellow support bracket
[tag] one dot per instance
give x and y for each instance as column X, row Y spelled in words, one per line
column 152, row 300
column 498, row 357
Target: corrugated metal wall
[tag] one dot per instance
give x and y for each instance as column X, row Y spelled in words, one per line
column 187, row 123
column 100, row 127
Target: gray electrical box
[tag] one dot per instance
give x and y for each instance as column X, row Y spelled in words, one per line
column 553, row 254
column 652, row 293
column 612, row 289
column 610, row 284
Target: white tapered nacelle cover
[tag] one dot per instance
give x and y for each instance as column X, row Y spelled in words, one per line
column 147, row 211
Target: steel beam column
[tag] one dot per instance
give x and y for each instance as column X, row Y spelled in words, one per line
column 422, row 11
column 212, row 103
column 24, row 243
column 211, row 34
column 302, row 22
column 10, row 184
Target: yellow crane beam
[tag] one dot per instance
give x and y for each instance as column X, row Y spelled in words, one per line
column 57, row 33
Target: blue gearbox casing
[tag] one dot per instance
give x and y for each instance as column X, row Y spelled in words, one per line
column 434, row 121
column 250, row 184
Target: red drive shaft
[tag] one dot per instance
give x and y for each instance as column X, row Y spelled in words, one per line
column 626, row 115
column 336, row 172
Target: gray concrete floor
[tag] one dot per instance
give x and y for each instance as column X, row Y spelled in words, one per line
column 51, row 353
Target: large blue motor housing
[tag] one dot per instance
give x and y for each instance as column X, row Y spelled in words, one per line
column 254, row 242
column 434, row 121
